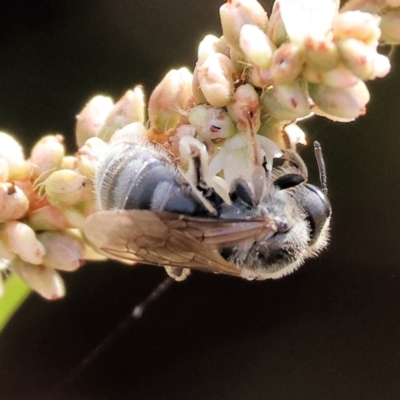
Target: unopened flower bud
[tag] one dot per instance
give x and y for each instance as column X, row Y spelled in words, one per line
column 362, row 59
column 303, row 19
column 206, row 47
column 172, row 95
column 390, row 26
column 64, row 251
column 21, row 239
column 89, row 154
column 47, row 218
column 130, row 108
column 321, row 54
column 339, row 77
column 358, row 25
column 309, row 74
column 13, row 202
column 65, row 187
column 256, row 46
column 11, row 151
column 74, row 217
column 236, row 13
column 91, row 119
column 216, row 79
column 69, row 162
column 346, row 103
column 286, row 102
column 245, row 109
column 211, row 122
column 276, row 29
column 132, row 132
column 47, row 154
column 287, row 62
column 45, row 281
column 260, row 78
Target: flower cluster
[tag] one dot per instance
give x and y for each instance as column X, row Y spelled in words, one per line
column 247, row 90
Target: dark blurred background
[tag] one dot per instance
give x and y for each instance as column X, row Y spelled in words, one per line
column 329, row 331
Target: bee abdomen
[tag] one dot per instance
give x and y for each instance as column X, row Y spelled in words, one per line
column 133, row 176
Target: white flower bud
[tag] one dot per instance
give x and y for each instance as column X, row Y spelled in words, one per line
column 89, row 154
column 91, row 119
column 64, row 251
column 339, row 77
column 47, row 218
column 13, row 202
column 211, row 122
column 130, row 108
column 236, row 13
column 256, row 46
column 47, row 154
column 172, row 95
column 206, row 47
column 295, row 135
column 287, row 63
column 321, row 54
column 11, row 151
column 358, row 25
column 21, row 239
column 286, row 102
column 65, row 187
column 346, row 103
column 46, row 281
column 216, row 79
column 276, row 29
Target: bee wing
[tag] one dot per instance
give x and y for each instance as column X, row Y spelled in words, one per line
column 168, row 239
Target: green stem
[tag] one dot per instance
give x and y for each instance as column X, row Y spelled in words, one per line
column 15, row 292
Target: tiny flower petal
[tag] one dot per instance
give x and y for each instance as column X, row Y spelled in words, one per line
column 46, row 281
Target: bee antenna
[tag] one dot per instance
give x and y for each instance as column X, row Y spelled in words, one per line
column 321, row 167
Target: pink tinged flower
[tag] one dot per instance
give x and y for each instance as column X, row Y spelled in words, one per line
column 64, row 251
column 47, row 154
column 256, row 46
column 21, row 239
column 321, row 54
column 45, row 281
column 88, row 156
column 47, row 218
column 307, row 18
column 13, row 202
column 216, row 79
column 91, row 119
column 236, row 13
column 363, row 60
column 342, row 104
column 172, row 95
column 339, row 77
column 245, row 110
column 130, row 108
column 260, row 78
column 287, row 63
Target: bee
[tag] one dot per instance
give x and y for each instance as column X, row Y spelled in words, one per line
column 154, row 212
